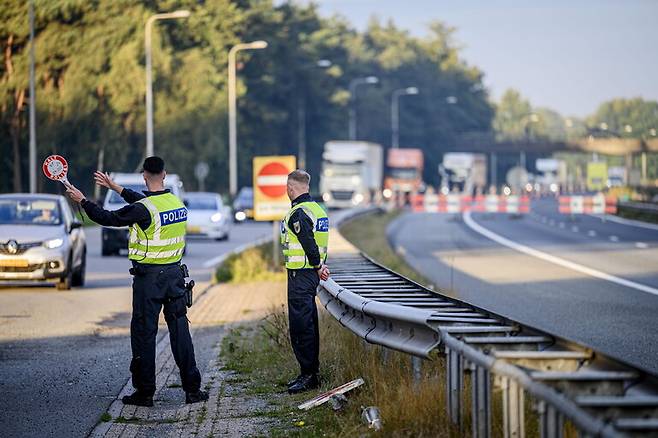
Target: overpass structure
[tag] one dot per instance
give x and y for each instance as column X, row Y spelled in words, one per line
column 608, row 146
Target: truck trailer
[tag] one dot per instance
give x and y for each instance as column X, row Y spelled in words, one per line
column 351, row 173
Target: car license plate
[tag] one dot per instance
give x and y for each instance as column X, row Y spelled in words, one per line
column 194, row 230
column 14, row 263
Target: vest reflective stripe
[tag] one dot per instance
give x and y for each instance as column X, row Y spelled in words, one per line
column 164, row 240
column 294, row 255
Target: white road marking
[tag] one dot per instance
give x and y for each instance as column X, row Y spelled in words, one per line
column 468, row 220
column 641, row 245
column 574, row 229
column 614, row 239
column 629, row 222
column 591, row 233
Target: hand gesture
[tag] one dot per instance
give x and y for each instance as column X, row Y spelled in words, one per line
column 323, row 272
column 75, row 194
column 103, row 179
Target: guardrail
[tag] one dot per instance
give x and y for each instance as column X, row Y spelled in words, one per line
column 599, row 395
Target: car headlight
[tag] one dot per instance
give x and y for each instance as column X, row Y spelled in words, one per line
column 53, row 243
column 240, row 216
column 216, row 217
column 388, row 193
column 326, row 197
column 358, row 198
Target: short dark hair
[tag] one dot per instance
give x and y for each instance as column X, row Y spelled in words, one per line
column 300, row 176
column 154, row 165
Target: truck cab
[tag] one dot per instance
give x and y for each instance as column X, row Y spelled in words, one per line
column 404, row 174
column 115, row 239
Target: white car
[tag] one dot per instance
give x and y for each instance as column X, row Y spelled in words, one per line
column 41, row 240
column 207, row 216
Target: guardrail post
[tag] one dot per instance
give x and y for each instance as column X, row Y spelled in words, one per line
column 455, row 380
column 481, row 385
column 550, row 421
column 416, row 366
column 513, row 409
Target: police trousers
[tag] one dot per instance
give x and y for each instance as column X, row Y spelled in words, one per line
column 303, row 318
column 155, row 287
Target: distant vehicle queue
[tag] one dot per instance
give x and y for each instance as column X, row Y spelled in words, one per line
column 41, row 239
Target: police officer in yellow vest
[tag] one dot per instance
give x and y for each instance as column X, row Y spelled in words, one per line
column 304, row 239
column 157, row 222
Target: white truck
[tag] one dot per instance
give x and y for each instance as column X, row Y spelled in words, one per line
column 352, row 173
column 463, row 172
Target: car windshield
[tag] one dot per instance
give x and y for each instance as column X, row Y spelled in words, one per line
column 116, row 198
column 245, row 197
column 202, row 203
column 30, row 212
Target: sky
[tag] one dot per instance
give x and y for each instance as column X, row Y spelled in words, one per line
column 568, row 55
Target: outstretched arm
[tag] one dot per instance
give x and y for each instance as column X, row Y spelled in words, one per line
column 103, row 179
column 126, row 216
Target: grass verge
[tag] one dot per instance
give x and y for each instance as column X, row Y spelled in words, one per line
column 253, row 265
column 262, row 358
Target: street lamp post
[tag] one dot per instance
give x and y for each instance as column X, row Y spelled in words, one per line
column 395, row 113
column 149, row 85
column 530, row 118
column 33, row 130
column 301, row 119
column 368, row 80
column 232, row 111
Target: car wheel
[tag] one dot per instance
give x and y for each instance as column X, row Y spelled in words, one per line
column 79, row 275
column 66, row 281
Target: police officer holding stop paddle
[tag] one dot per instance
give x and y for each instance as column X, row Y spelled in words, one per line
column 157, row 221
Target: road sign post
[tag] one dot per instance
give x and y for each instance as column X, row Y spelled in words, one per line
column 271, row 202
column 201, row 171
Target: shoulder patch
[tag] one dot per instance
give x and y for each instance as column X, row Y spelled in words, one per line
column 296, row 226
column 322, row 225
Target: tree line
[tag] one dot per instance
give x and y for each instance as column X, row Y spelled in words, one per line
column 90, row 85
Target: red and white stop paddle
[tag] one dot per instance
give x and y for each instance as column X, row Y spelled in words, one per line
column 55, row 167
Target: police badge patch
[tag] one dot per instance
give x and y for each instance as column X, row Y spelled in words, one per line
column 297, row 227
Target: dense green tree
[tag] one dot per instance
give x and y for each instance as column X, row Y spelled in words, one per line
column 630, row 118
column 90, row 85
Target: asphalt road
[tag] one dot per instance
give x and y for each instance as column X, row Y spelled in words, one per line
column 584, row 278
column 64, row 355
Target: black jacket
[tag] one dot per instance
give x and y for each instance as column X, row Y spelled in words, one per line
column 133, row 213
column 305, row 234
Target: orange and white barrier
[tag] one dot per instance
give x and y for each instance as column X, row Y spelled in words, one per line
column 597, row 204
column 455, row 203
column 502, row 204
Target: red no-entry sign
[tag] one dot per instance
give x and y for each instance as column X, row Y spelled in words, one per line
column 270, row 178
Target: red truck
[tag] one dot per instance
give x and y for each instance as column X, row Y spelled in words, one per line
column 404, row 174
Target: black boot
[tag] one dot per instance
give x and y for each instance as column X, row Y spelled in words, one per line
column 196, row 397
column 304, row 383
column 138, row 399
column 295, row 380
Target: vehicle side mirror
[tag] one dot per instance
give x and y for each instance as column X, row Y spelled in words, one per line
column 186, row 203
column 75, row 225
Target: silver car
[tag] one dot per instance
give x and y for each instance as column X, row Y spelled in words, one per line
column 41, row 240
